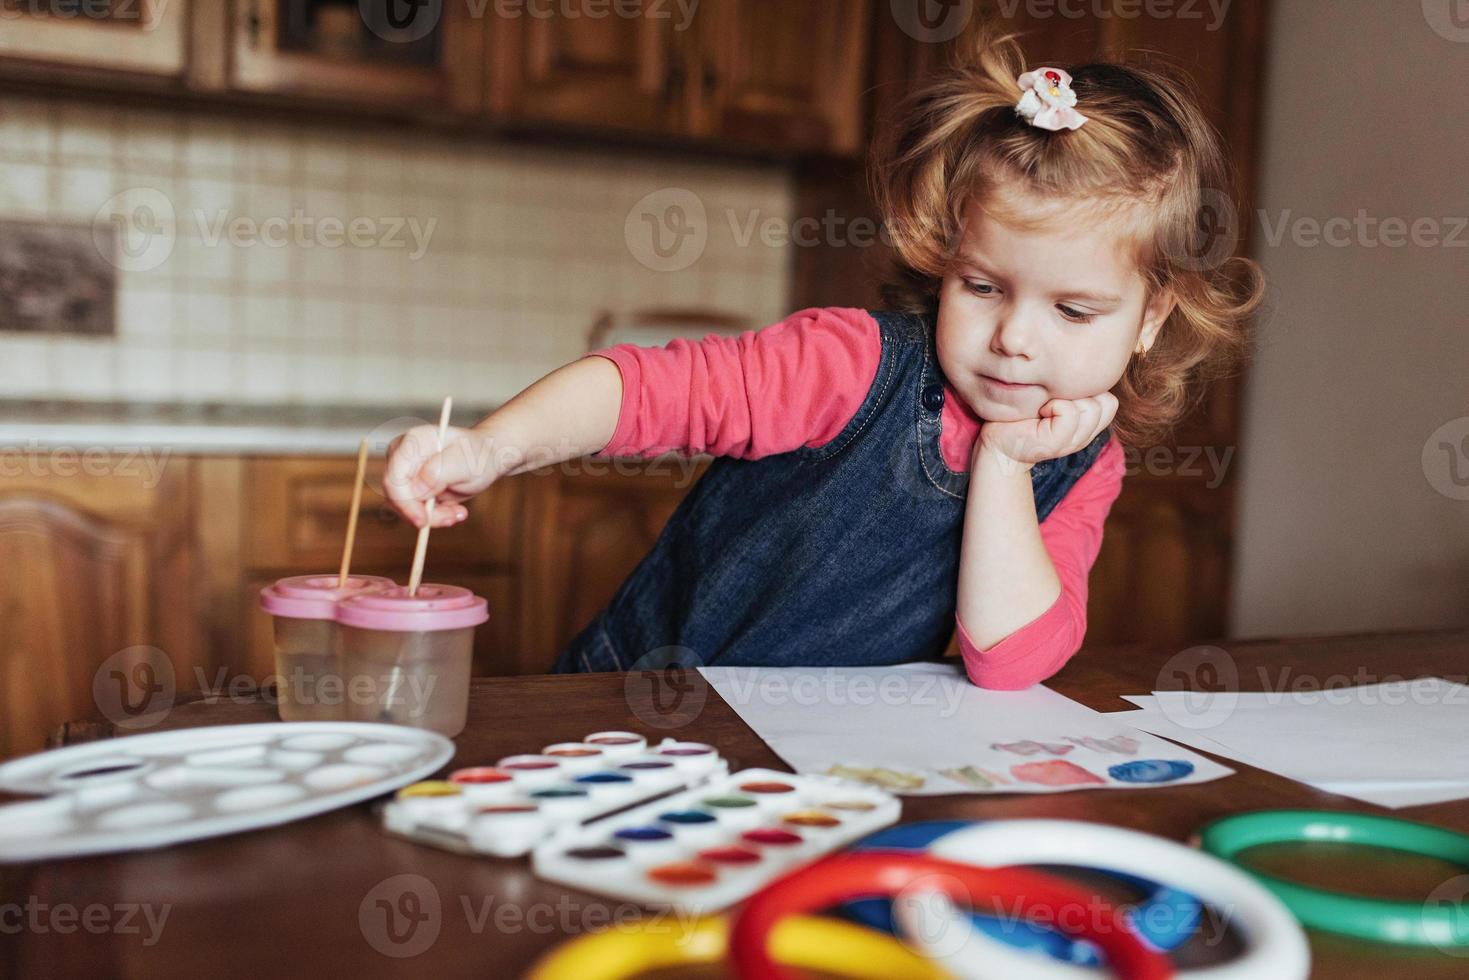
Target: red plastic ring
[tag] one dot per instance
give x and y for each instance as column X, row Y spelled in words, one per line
column 847, row 877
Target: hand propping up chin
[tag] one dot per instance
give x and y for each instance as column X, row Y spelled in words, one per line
column 1064, row 426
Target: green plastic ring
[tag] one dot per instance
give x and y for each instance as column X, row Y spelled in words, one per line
column 1377, row 919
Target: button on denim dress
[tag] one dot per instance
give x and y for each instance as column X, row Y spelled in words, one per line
column 845, row 554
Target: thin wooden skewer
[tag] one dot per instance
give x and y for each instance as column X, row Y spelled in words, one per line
column 352, row 515
column 420, row 550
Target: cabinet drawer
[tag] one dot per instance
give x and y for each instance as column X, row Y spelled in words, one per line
column 297, row 520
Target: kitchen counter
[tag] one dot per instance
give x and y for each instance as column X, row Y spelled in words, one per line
column 234, row 429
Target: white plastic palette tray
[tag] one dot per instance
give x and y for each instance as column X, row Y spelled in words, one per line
column 166, row 787
column 506, row 809
column 711, row 846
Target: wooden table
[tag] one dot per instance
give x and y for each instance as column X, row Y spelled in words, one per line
column 289, row 901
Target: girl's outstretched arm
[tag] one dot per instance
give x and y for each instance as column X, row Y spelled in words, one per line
column 568, row 413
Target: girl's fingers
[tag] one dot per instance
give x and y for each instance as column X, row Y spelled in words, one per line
column 409, row 464
column 448, row 515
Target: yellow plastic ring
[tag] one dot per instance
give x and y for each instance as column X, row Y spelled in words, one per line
column 803, row 941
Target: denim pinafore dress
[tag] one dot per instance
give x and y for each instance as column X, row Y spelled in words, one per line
column 845, row 554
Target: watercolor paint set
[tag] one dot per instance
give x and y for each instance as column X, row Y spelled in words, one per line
column 168, row 787
column 506, row 809
column 713, row 845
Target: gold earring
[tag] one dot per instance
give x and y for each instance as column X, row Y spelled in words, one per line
column 1142, row 351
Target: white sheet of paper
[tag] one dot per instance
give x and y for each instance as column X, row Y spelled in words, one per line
column 925, row 719
column 1396, row 744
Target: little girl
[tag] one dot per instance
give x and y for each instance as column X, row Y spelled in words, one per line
column 884, row 478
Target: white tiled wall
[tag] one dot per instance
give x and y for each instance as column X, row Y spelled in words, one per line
column 524, row 247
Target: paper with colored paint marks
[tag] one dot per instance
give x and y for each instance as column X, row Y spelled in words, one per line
column 925, row 730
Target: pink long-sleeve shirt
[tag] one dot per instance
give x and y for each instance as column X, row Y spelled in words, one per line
column 797, row 383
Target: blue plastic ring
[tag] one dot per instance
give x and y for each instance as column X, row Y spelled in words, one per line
column 1164, row 919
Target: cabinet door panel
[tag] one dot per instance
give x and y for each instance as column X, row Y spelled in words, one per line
column 127, row 35
column 618, row 72
column 426, row 56
column 92, row 565
column 298, row 520
column 783, row 73
column 585, row 534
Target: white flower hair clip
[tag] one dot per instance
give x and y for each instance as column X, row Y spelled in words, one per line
column 1048, row 99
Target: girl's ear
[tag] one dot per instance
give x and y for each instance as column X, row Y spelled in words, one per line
column 1160, row 307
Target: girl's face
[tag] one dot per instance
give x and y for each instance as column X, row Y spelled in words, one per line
column 1057, row 310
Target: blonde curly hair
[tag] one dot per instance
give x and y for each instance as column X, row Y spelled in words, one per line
column 1146, row 142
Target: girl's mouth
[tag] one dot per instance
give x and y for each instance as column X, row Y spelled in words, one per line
column 1004, row 385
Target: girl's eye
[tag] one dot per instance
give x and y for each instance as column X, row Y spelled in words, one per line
column 979, row 288
column 1075, row 316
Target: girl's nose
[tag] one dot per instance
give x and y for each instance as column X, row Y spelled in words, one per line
column 1013, row 338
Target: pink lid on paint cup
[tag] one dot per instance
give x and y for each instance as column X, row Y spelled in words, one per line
column 436, row 607
column 316, row 596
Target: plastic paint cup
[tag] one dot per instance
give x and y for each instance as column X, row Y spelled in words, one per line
column 308, row 653
column 406, row 660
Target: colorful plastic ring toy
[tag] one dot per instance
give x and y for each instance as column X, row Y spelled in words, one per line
column 1379, row 919
column 847, row 876
column 1275, row 945
column 808, row 942
column 1164, row 918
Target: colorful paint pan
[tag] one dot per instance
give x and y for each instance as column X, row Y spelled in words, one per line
column 709, row 846
column 575, row 757
column 645, row 843
column 690, row 757
column 603, row 853
column 682, row 874
column 729, row 854
column 566, row 783
column 483, row 784
column 811, row 818
column 618, row 745
column 532, row 771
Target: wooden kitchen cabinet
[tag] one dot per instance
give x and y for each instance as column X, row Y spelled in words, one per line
column 585, row 532
column 774, row 76
column 99, row 557
column 425, row 56
column 782, row 74
column 135, row 36
column 625, row 73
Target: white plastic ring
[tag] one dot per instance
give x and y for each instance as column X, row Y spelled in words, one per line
column 1276, row 946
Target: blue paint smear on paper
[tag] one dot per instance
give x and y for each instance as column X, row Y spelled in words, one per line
column 1150, row 771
